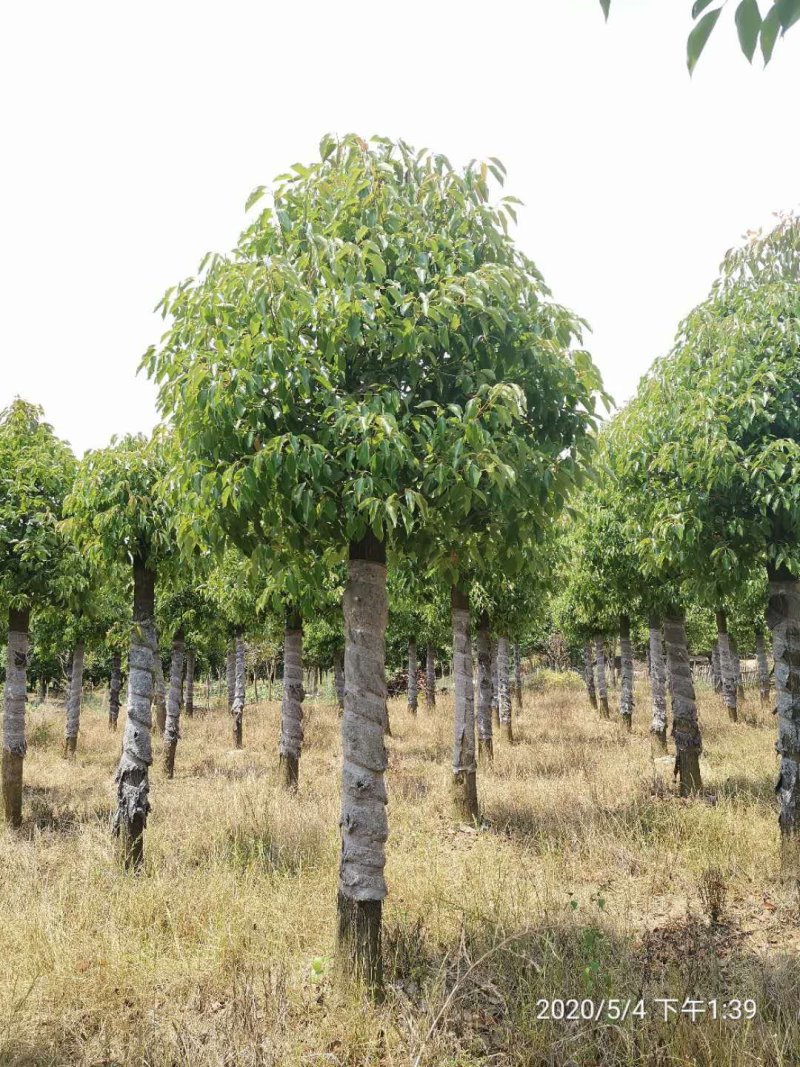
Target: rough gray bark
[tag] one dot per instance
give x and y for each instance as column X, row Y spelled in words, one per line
column 16, row 694
column 495, row 692
column 658, row 688
column 726, row 666
column 504, row 688
column 114, row 688
column 484, row 716
column 716, row 669
column 132, row 776
column 363, row 824
column 763, row 668
column 430, row 677
column 465, row 789
column 230, row 673
column 783, row 619
column 191, row 662
column 737, row 670
column 172, row 725
column 413, row 661
column 611, row 658
column 626, row 656
column 237, row 707
column 159, row 692
column 588, row 673
column 73, row 719
column 602, row 687
column 685, row 730
column 517, row 676
column 338, row 679
column 291, row 742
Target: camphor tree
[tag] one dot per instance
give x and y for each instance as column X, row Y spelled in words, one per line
column 36, row 471
column 375, row 361
column 118, row 515
column 735, row 389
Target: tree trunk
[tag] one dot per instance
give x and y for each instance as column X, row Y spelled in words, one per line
column 41, row 695
column 237, row 707
column 626, row 654
column 413, row 661
column 588, row 673
column 338, row 679
column 172, row 725
column 517, row 676
column 504, row 689
column 763, row 668
column 16, row 694
column 230, row 674
column 114, row 687
column 363, row 823
column 484, row 650
column 783, row 619
column 658, row 687
column 726, row 666
column 465, row 789
column 737, row 670
column 159, row 693
column 132, row 776
column 291, row 743
column 430, row 677
column 611, row 656
column 602, row 688
column 73, row 719
column 191, row 661
column 684, row 706
column 495, row 691
column 716, row 669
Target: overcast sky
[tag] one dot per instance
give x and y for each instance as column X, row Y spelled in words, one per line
column 132, row 135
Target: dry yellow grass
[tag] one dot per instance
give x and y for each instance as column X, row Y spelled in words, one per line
column 585, row 882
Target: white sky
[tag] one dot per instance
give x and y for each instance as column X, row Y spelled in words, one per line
column 132, row 135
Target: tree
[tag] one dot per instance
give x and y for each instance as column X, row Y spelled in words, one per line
column 357, row 377
column 36, row 470
column 752, row 28
column 119, row 515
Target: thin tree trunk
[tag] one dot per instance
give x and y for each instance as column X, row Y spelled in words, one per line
column 114, row 688
column 588, row 673
column 237, row 708
column 611, row 654
column 716, row 669
column 338, row 679
column 783, row 619
column 430, row 676
column 504, row 689
column 159, row 694
column 465, row 789
column 602, row 688
column 364, row 825
column 484, row 716
column 73, row 719
column 737, row 670
column 495, row 690
column 626, row 654
column 172, row 725
column 726, row 666
column 413, row 662
column 132, row 776
column 517, row 676
column 230, row 673
column 763, row 668
column 255, row 685
column 41, row 695
column 658, row 688
column 191, row 661
column 291, row 743
column 16, row 694
column 685, row 730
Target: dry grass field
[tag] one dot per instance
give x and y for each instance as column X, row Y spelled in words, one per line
column 586, row 881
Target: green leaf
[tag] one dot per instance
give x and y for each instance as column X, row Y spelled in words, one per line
column 698, row 38
column 789, row 13
column 255, row 196
column 605, row 4
column 699, row 6
column 770, row 28
column 748, row 25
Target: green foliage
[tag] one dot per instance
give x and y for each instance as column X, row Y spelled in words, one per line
column 376, row 354
column 752, row 28
column 36, row 471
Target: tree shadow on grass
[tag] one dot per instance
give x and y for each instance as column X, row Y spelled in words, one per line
column 58, row 810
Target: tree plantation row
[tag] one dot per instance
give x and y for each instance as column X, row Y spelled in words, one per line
column 371, row 401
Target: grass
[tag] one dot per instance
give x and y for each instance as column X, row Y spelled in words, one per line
column 586, row 881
